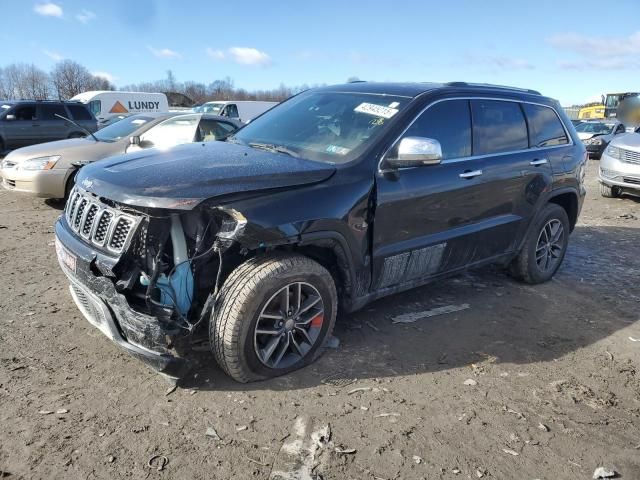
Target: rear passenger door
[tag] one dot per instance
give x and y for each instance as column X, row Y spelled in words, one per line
column 51, row 127
column 515, row 175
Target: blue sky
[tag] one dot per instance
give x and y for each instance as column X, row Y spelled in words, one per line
column 570, row 50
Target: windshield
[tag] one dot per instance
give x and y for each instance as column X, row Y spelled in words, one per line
column 122, row 128
column 333, row 127
column 214, row 108
column 595, row 127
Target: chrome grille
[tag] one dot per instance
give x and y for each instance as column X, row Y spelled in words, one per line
column 630, row 156
column 97, row 223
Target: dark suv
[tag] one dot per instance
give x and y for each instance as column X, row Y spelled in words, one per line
column 25, row 122
column 332, row 199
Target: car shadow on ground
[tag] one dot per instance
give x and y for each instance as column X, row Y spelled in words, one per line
column 55, row 203
column 507, row 322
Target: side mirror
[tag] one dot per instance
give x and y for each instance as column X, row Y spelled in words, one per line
column 10, row 117
column 416, row 152
column 135, row 140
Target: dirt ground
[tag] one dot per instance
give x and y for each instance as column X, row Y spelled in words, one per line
column 526, row 383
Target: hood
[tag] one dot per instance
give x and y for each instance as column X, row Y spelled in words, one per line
column 73, row 149
column 630, row 141
column 183, row 176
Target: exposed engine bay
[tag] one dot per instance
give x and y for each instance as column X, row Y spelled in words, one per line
column 169, row 264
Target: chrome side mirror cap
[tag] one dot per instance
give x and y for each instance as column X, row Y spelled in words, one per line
column 416, row 152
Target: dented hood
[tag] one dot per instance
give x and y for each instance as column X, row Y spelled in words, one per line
column 183, row 176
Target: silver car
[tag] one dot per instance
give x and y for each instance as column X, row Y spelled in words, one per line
column 620, row 166
column 48, row 170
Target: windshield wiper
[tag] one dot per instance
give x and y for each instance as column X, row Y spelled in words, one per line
column 77, row 125
column 274, row 148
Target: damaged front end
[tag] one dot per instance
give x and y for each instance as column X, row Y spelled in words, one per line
column 147, row 278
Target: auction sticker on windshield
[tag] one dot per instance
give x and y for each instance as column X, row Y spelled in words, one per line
column 376, row 110
column 66, row 258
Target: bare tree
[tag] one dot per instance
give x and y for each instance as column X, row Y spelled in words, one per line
column 69, row 78
column 20, row 80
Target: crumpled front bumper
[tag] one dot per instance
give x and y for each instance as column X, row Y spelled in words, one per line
column 95, row 295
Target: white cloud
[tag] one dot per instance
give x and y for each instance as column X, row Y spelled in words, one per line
column 53, row 55
column 614, row 63
column 249, row 56
column 590, row 46
column 496, row 62
column 105, row 75
column 164, row 53
column 85, row 16
column 215, row 54
column 48, row 9
column 510, row 63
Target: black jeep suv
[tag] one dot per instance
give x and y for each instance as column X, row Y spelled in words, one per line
column 334, row 198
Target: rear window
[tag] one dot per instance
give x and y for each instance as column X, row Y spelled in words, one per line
column 545, row 127
column 498, row 127
column 448, row 122
column 49, row 111
column 79, row 112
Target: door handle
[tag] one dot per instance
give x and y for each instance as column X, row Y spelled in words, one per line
column 471, row 174
column 537, row 162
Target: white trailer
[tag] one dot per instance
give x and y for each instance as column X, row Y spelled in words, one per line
column 105, row 104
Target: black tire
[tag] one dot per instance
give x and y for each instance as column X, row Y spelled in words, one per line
column 526, row 266
column 71, row 181
column 244, row 295
column 609, row 191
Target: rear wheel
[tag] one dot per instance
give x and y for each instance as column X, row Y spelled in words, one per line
column 273, row 316
column 609, row 191
column 544, row 249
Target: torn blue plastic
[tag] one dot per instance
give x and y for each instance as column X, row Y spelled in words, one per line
column 177, row 290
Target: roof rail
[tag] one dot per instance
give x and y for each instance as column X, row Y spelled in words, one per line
column 357, row 81
column 489, row 85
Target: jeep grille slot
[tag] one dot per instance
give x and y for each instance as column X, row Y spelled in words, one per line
column 103, row 227
column 97, row 223
column 120, row 233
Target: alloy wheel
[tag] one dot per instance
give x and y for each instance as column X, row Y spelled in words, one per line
column 550, row 245
column 289, row 325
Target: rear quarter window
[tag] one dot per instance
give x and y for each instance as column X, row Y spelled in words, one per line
column 498, row 127
column 79, row 112
column 545, row 128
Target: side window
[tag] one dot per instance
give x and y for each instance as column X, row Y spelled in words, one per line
column 449, row 122
column 95, row 106
column 498, row 126
column 25, row 112
column 79, row 112
column 231, row 111
column 545, row 127
column 174, row 131
column 210, row 130
column 49, row 112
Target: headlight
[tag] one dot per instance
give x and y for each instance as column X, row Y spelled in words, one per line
column 593, row 141
column 40, row 163
column 608, row 173
column 613, row 152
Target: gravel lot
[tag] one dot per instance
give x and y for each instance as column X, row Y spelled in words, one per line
column 527, row 383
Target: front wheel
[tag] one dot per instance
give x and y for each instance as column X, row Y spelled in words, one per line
column 544, row 248
column 608, row 191
column 273, row 316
